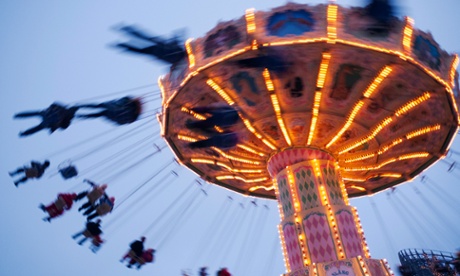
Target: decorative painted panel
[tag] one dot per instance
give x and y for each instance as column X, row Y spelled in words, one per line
column 351, row 240
column 307, row 190
column 319, row 238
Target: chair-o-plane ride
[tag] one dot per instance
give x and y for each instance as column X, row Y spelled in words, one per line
column 332, row 106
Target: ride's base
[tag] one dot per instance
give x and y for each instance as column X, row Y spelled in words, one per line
column 349, row 267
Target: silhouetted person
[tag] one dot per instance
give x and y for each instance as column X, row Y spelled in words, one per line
column 169, row 51
column 36, row 170
column 120, row 111
column 203, row 271
column 223, row 272
column 104, row 206
column 146, row 257
column 272, row 62
column 62, row 203
column 91, row 229
column 136, row 248
column 225, row 141
column 220, row 116
column 56, row 116
column 93, row 196
column 382, row 12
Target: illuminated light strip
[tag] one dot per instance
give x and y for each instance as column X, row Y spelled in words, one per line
column 283, row 246
column 391, row 160
column 330, row 217
column 453, row 69
column 319, row 84
column 279, row 118
column 231, row 157
column 315, row 269
column 332, row 23
column 401, row 111
column 359, row 158
column 354, row 179
column 389, row 146
column 220, row 91
column 258, row 135
column 268, row 80
column 361, row 231
column 387, row 265
column 325, row 203
column 298, row 41
column 249, row 149
column 407, row 35
column 408, row 136
column 275, row 104
column 278, row 199
column 228, row 177
column 191, row 56
column 423, row 131
column 214, row 162
column 254, row 45
column 292, row 187
column 186, row 138
column 383, row 74
column 297, row 209
column 191, row 112
column 253, row 188
column 394, row 175
column 377, row 81
column 413, row 155
column 376, row 130
column 250, row 21
column 412, row 104
column 363, row 266
column 326, row 57
column 343, row 188
column 314, row 117
column 359, row 188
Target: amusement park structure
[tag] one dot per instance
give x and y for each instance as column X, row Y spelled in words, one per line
column 427, row 262
column 332, row 109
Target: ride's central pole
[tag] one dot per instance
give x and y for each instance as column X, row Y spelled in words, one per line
column 320, row 233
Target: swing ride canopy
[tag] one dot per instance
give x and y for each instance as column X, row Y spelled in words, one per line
column 382, row 105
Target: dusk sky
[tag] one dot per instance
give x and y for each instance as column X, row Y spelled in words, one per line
column 60, row 51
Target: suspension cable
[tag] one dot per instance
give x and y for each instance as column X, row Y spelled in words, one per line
column 399, row 210
column 112, row 141
column 119, row 158
column 136, row 205
column 116, row 93
column 382, row 224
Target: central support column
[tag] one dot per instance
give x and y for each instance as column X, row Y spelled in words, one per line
column 320, row 233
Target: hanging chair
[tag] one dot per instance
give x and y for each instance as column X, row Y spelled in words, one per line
column 67, row 170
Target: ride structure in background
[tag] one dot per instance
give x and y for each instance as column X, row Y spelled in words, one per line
column 333, row 104
column 428, row 262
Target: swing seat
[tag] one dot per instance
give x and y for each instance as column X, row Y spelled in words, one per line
column 68, row 172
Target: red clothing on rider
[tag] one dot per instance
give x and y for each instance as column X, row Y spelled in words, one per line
column 62, row 203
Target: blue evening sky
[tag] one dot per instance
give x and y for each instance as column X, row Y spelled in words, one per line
column 59, row 51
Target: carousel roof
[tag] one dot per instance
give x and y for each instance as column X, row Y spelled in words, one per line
column 381, row 104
